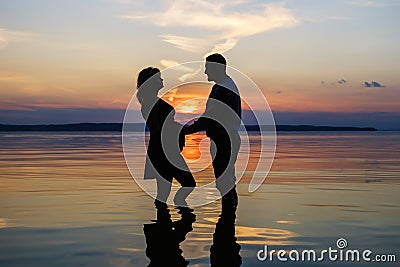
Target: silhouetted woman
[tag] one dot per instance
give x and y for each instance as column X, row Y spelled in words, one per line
column 166, row 142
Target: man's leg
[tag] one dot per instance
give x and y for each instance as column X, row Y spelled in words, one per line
column 224, row 152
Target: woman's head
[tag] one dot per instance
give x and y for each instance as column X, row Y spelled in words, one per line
column 148, row 83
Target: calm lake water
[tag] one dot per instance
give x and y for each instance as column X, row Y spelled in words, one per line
column 67, row 199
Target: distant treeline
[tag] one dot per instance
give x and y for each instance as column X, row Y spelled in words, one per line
column 117, row 127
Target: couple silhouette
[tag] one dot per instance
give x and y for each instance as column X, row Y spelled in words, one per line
column 221, row 121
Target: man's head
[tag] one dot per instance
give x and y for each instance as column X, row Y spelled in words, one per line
column 215, row 68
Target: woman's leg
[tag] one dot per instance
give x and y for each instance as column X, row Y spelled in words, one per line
column 186, row 179
column 163, row 189
column 181, row 195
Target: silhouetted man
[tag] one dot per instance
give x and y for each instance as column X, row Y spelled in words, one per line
column 221, row 121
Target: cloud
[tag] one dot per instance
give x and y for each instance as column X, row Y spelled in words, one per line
column 14, row 77
column 189, row 72
column 221, row 48
column 224, row 23
column 177, row 66
column 187, row 43
column 373, row 84
column 7, row 36
column 340, row 82
column 373, row 3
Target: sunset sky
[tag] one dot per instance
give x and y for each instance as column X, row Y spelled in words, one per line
column 317, row 62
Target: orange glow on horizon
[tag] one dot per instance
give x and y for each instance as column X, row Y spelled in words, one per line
column 187, row 109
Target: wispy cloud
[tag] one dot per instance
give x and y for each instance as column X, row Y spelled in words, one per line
column 7, row 36
column 339, row 82
column 8, row 78
column 224, row 23
column 172, row 63
column 374, row 3
column 187, row 43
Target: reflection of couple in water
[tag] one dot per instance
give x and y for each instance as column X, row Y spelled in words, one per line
column 163, row 239
column 221, row 121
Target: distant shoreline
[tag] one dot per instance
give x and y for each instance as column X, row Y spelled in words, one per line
column 117, row 127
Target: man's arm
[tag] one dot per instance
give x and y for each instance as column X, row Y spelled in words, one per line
column 201, row 124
